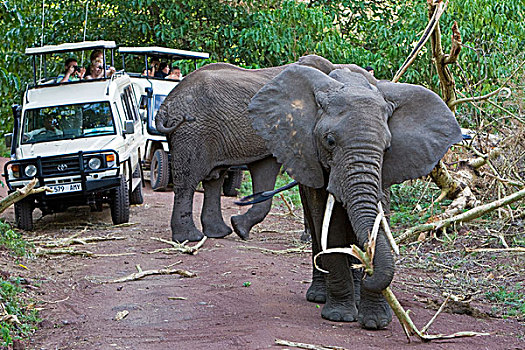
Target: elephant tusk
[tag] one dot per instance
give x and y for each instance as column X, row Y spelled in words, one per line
column 326, row 220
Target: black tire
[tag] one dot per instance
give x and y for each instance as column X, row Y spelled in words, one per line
column 24, row 215
column 159, row 170
column 120, row 203
column 136, row 196
column 232, row 182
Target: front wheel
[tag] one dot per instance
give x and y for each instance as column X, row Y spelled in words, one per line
column 159, row 170
column 24, row 215
column 120, row 203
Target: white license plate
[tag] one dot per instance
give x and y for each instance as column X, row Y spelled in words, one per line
column 65, row 188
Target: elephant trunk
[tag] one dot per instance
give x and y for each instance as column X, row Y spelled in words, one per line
column 360, row 193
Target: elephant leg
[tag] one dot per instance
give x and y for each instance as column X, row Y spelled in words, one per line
column 182, row 225
column 316, row 293
column 263, row 174
column 211, row 217
column 340, row 299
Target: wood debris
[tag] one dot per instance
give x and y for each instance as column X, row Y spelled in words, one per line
column 307, row 346
column 179, row 247
column 141, row 274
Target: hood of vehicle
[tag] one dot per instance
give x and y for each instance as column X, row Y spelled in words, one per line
column 56, row 148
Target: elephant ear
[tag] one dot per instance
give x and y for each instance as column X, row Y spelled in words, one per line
column 422, row 128
column 284, row 113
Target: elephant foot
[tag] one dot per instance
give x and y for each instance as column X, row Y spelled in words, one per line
column 316, row 293
column 241, row 228
column 216, row 231
column 189, row 235
column 374, row 311
column 339, row 311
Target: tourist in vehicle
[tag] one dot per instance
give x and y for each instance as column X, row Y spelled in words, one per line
column 163, row 71
column 72, row 72
column 370, row 69
column 155, row 63
column 96, row 68
column 174, row 73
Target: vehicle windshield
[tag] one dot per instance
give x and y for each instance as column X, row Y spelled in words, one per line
column 154, row 108
column 67, row 122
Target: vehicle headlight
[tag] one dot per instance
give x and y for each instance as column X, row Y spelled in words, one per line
column 30, row 170
column 110, row 160
column 94, row 163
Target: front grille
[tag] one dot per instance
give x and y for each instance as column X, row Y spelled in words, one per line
column 60, row 166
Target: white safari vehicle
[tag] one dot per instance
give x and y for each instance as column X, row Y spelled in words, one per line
column 150, row 92
column 82, row 139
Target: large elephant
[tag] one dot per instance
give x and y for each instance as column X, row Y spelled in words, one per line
column 351, row 136
column 208, row 130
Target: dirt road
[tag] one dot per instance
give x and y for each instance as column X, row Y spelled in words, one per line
column 241, row 298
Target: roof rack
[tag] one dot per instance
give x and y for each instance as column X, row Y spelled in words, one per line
column 84, row 45
column 164, row 52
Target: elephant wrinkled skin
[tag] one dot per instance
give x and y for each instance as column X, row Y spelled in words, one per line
column 347, row 134
column 208, row 130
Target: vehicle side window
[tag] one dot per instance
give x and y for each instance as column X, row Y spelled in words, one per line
column 127, row 106
column 133, row 103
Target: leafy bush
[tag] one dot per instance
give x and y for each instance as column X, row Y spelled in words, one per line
column 13, row 241
column 13, row 303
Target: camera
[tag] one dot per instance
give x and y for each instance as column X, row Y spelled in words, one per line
column 76, row 69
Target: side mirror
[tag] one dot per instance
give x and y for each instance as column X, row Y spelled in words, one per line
column 129, row 127
column 149, row 92
column 8, row 140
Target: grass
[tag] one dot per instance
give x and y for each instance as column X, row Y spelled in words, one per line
column 509, row 300
column 13, row 241
column 13, row 302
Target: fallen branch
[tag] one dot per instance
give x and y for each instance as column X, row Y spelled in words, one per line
column 43, row 251
column 141, row 274
column 472, row 214
column 21, row 193
column 307, row 346
column 64, row 242
column 301, row 249
column 179, row 247
column 496, row 250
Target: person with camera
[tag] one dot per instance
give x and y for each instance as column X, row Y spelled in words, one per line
column 96, row 69
column 72, row 71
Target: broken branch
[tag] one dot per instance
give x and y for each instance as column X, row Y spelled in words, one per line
column 469, row 215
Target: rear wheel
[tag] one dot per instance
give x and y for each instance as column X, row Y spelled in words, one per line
column 24, row 215
column 160, row 170
column 120, row 203
column 136, row 196
column 232, row 182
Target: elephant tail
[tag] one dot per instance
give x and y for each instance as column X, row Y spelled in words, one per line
column 161, row 120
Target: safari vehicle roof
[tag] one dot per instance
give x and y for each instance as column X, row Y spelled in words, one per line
column 66, row 47
column 86, row 92
column 164, row 52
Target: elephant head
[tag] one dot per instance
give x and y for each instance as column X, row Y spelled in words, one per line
column 355, row 136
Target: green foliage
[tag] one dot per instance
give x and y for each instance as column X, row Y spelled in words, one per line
column 260, row 34
column 408, row 199
column 510, row 300
column 11, row 297
column 13, row 241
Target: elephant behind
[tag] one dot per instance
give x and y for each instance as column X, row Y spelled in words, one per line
column 208, row 130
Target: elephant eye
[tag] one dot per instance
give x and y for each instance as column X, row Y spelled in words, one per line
column 330, row 140
column 387, row 149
